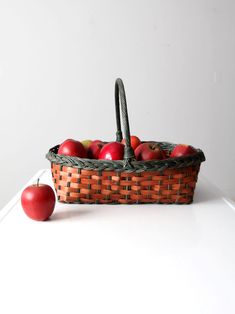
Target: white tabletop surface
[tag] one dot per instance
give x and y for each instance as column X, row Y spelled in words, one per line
column 121, row 258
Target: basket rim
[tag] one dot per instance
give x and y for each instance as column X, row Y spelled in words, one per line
column 123, row 166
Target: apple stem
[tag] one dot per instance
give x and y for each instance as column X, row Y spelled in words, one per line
column 38, row 182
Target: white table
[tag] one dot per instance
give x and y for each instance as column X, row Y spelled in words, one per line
column 120, row 259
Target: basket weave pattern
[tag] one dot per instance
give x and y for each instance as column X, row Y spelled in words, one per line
column 74, row 185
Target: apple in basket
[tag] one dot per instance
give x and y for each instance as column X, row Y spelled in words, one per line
column 86, row 143
column 38, row 201
column 182, row 150
column 72, row 148
column 112, row 151
column 94, row 149
column 149, row 151
column 135, row 141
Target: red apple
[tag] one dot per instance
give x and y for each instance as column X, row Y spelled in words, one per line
column 164, row 154
column 112, row 151
column 149, row 151
column 68, row 139
column 96, row 141
column 38, row 201
column 182, row 150
column 135, row 141
column 72, row 148
column 94, row 149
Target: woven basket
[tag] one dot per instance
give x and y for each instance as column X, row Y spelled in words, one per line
column 82, row 180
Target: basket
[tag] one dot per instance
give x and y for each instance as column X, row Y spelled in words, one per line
column 92, row 181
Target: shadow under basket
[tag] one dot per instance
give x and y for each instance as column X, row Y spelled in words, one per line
column 127, row 181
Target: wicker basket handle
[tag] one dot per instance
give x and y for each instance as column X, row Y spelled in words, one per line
column 120, row 97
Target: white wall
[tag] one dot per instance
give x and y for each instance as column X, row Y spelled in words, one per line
column 59, row 61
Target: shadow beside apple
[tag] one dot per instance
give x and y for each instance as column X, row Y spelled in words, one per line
column 67, row 214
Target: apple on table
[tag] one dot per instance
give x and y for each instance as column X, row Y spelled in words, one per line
column 38, row 201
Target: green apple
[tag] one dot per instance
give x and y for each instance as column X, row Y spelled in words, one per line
column 86, row 143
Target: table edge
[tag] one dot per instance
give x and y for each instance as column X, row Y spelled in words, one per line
column 10, row 205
